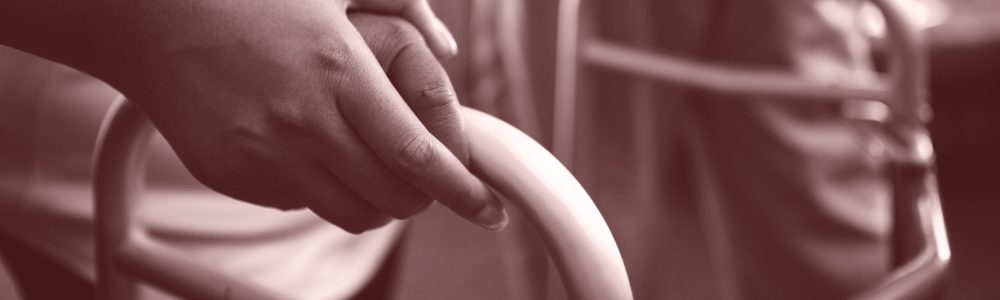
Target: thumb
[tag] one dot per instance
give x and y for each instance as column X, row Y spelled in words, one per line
column 439, row 38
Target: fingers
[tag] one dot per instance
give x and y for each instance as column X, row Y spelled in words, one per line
column 426, row 88
column 417, row 76
column 382, row 119
column 354, row 164
column 334, row 202
column 420, row 14
column 439, row 38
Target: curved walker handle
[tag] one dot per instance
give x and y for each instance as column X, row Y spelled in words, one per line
column 573, row 230
column 519, row 169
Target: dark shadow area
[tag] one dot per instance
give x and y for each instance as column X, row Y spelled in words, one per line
column 965, row 86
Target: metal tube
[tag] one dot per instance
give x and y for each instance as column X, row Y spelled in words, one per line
column 907, row 65
column 917, row 202
column 173, row 272
column 564, row 103
column 558, row 208
column 119, row 165
column 905, row 92
column 575, row 234
column 722, row 78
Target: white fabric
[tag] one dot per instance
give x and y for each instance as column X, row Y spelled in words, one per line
column 49, row 117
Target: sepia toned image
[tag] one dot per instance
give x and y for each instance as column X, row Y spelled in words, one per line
column 500, row 149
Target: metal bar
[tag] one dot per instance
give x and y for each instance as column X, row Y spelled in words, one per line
column 572, row 229
column 913, row 156
column 564, row 103
column 173, row 272
column 922, row 276
column 904, row 91
column 907, row 65
column 124, row 253
column 118, row 169
column 722, row 78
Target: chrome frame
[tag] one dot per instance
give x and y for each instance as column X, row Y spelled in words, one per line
column 903, row 90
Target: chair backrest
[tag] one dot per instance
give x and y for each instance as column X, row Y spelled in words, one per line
column 518, row 168
column 920, row 240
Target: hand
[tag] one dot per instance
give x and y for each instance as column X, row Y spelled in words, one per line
column 283, row 104
column 419, row 13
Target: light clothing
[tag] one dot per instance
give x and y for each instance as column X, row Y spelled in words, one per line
column 49, row 118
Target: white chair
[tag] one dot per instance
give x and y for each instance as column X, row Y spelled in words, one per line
column 522, row 171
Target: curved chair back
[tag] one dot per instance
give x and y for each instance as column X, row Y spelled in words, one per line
column 520, row 170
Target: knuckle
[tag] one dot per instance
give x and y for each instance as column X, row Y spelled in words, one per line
column 436, row 96
column 286, row 114
column 416, row 155
column 336, row 55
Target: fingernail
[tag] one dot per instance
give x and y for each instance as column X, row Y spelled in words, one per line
column 450, row 46
column 492, row 218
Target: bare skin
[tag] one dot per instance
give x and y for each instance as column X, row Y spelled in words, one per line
column 418, row 13
column 277, row 103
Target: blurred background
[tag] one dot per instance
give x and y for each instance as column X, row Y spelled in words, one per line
column 965, row 67
column 632, row 157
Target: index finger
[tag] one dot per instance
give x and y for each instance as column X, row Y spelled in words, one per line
column 376, row 111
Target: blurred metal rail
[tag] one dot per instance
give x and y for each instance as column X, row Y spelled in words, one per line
column 723, row 78
column 918, row 220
